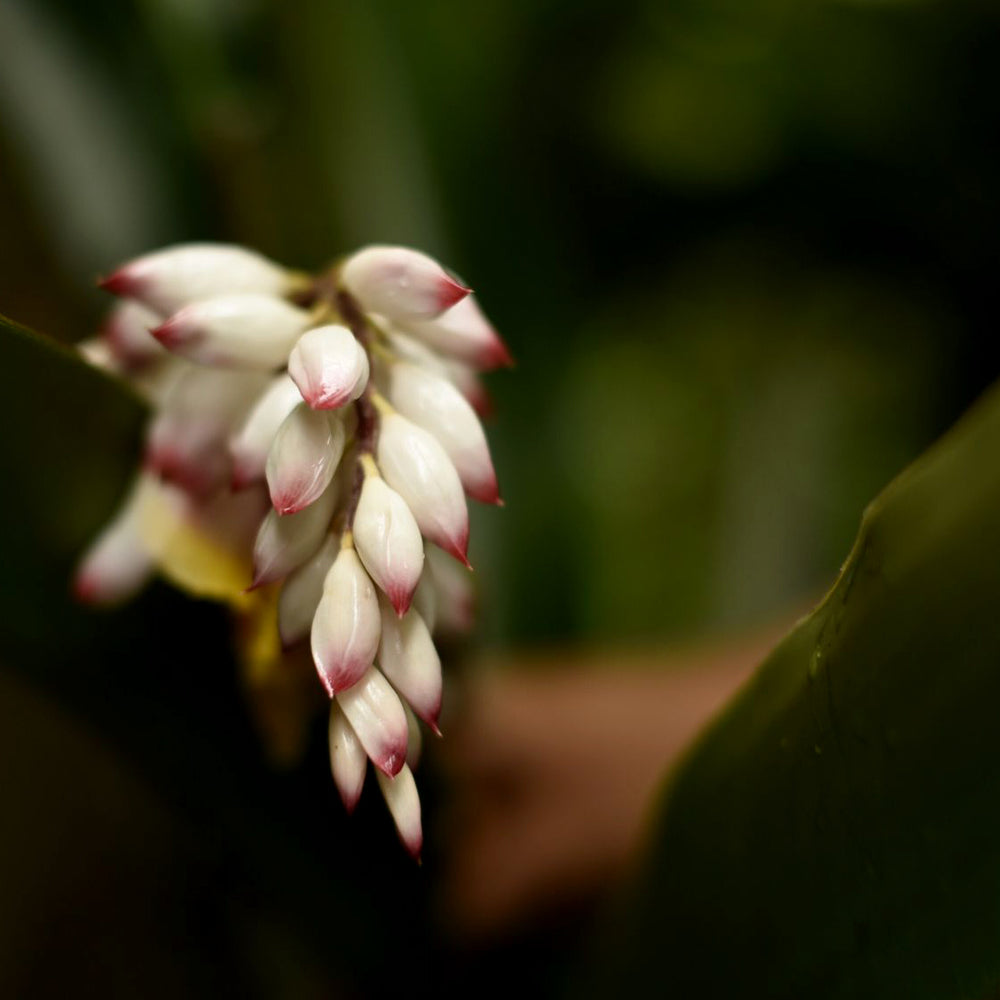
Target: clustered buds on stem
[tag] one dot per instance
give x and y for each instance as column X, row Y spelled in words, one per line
column 322, row 429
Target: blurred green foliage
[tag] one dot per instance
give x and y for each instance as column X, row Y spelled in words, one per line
column 743, row 252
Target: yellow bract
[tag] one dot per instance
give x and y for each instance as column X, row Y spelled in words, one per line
column 186, row 555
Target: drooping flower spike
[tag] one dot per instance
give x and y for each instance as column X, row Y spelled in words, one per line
column 310, row 450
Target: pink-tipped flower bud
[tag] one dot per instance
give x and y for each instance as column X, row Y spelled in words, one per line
column 414, row 739
column 348, row 760
column 117, row 564
column 250, row 445
column 171, row 278
column 463, row 333
column 301, row 593
column 329, row 366
column 401, row 796
column 127, row 333
column 376, row 715
column 285, row 542
column 416, row 466
column 409, row 348
column 303, row 457
column 455, row 599
column 463, row 375
column 388, row 539
column 425, row 597
column 470, row 384
column 245, row 330
column 187, row 442
column 400, row 284
column 347, row 625
column 407, row 657
column 434, row 403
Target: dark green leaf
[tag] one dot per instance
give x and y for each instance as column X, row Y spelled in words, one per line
column 157, row 680
column 837, row 832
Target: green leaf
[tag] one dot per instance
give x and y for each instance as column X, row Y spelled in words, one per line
column 836, row 833
column 158, row 681
column 68, row 442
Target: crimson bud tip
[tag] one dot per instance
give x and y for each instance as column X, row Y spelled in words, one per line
column 451, row 292
column 119, row 283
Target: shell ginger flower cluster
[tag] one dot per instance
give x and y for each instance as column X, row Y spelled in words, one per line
column 308, row 436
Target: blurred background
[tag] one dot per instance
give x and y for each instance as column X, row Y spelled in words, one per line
column 744, row 254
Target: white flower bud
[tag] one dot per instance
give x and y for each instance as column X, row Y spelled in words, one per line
column 387, row 539
column 347, row 625
column 434, row 403
column 303, row 457
column 407, row 657
column 463, row 333
column 376, row 715
column 127, row 331
column 425, row 598
column 285, row 542
column 400, row 283
column 348, row 760
column 187, row 443
column 408, row 348
column 469, row 383
column 416, row 466
column 301, row 593
column 117, row 564
column 463, row 375
column 329, row 366
column 455, row 599
column 414, row 739
column 401, row 796
column 169, row 279
column 245, row 330
column 253, row 441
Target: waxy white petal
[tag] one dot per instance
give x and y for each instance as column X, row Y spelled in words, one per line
column 400, row 283
column 303, row 457
column 434, row 403
column 253, row 441
column 407, row 657
column 348, row 760
column 463, row 333
column 416, row 466
column 329, row 366
column 455, row 604
column 117, row 564
column 401, row 796
column 170, row 278
column 187, row 442
column 388, row 541
column 127, row 333
column 301, row 593
column 285, row 542
column 244, row 330
column 376, row 715
column 347, row 625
